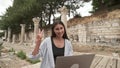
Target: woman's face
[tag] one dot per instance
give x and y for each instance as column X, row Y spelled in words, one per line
column 59, row 30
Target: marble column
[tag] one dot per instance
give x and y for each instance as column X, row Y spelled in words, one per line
column 22, row 33
column 25, row 37
column 13, row 39
column 9, row 34
column 36, row 21
column 19, row 37
column 5, row 35
column 64, row 11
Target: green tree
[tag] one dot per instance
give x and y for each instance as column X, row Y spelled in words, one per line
column 23, row 11
column 99, row 5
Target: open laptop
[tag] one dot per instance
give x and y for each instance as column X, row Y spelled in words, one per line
column 78, row 61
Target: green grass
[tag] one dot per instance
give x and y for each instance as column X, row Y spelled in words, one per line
column 33, row 61
column 21, row 54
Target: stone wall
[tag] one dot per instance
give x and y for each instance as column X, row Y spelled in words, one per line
column 102, row 31
column 97, row 30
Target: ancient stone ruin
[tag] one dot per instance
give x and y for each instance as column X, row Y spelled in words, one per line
column 103, row 29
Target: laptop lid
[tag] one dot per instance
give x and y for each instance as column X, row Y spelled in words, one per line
column 77, row 61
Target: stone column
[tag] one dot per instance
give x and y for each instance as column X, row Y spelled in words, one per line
column 22, row 33
column 25, row 37
column 19, row 35
column 5, row 35
column 36, row 21
column 9, row 34
column 64, row 11
column 13, row 39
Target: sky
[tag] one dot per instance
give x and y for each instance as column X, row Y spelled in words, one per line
column 4, row 4
column 84, row 11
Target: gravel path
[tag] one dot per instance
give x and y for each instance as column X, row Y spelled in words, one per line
column 9, row 60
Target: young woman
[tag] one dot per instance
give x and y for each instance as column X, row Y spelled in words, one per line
column 52, row 47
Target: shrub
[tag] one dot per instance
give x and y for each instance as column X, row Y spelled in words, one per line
column 11, row 50
column 21, row 54
column 33, row 61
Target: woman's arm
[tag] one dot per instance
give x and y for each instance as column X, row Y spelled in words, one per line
column 37, row 43
column 36, row 49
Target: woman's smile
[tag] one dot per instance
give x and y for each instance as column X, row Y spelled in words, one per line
column 59, row 30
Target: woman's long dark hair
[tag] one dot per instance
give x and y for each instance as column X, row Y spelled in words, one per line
column 53, row 26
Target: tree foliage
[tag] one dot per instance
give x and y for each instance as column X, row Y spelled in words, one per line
column 104, row 4
column 23, row 11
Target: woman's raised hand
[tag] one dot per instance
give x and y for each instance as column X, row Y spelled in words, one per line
column 39, row 35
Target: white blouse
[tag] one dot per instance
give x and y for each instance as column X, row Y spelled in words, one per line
column 46, row 53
